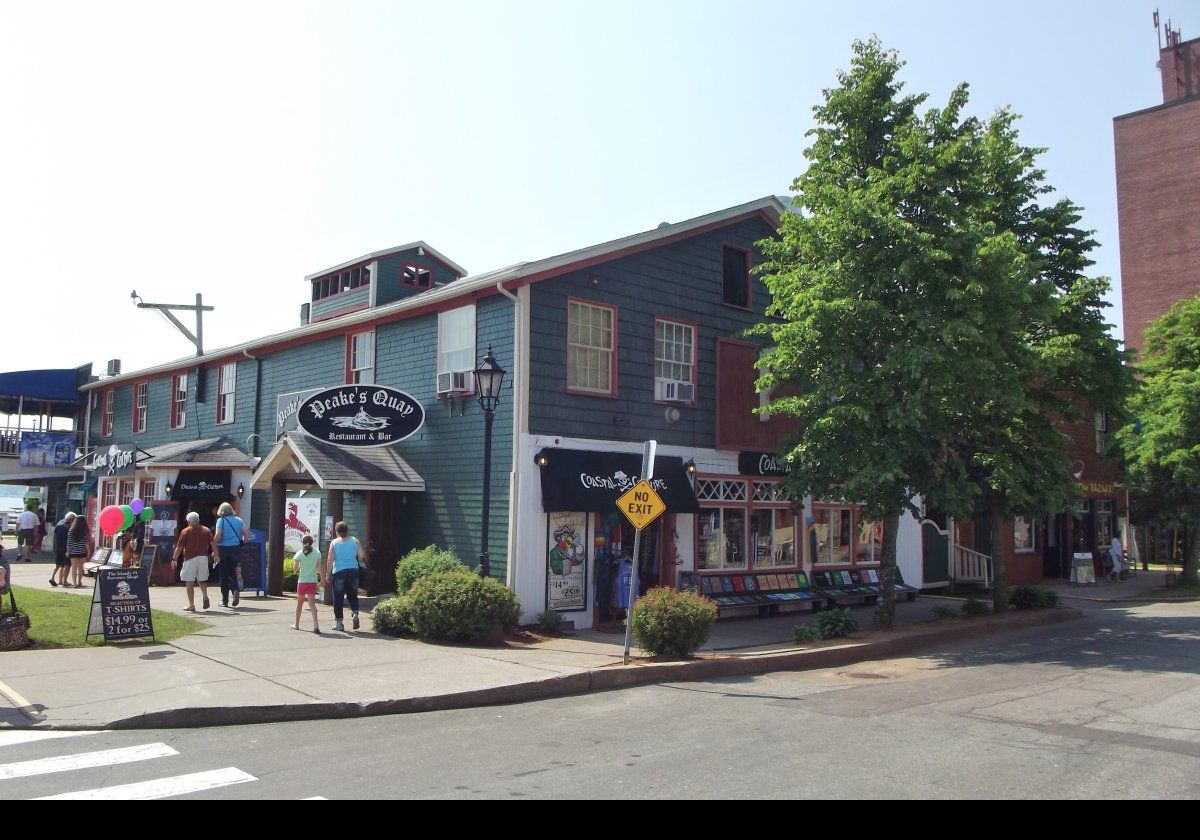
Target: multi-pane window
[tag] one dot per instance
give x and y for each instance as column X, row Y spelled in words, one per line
column 416, row 277
column 127, row 490
column 1101, row 432
column 226, row 392
column 745, row 525
column 722, row 538
column 773, row 538
column 106, row 423
column 179, row 400
column 342, row 281
column 149, row 491
column 1024, row 535
column 591, row 347
column 674, row 361
column 735, row 277
column 141, row 405
column 362, row 359
column 832, row 535
column 868, row 541
column 110, row 493
column 456, row 340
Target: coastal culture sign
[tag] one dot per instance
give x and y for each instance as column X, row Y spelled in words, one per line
column 47, row 449
column 120, row 459
column 762, row 464
column 121, row 605
column 361, row 416
column 303, row 519
column 287, row 410
column 566, row 562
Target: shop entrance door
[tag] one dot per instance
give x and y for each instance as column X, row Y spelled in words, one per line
column 384, row 512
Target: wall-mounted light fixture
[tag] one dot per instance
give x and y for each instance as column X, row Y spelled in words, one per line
column 169, row 489
column 691, row 467
column 241, row 491
column 540, row 459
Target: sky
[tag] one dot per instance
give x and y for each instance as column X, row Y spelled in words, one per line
column 233, row 148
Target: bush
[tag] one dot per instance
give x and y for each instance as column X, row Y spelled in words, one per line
column 974, row 607
column 1032, row 598
column 670, row 623
column 290, row 574
column 460, row 606
column 941, row 612
column 550, row 621
column 836, row 623
column 802, row 634
column 393, row 617
column 422, row 562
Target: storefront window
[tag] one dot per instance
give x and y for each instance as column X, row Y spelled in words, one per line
column 831, row 535
column 868, row 545
column 1024, row 535
column 722, row 538
column 773, row 536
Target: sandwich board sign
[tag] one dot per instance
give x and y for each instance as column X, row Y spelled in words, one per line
column 121, row 605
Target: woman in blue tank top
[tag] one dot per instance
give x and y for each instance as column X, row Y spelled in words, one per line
column 345, row 557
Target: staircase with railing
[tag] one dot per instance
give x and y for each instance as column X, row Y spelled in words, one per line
column 972, row 567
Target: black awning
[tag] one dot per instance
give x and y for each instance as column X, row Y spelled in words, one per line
column 203, row 484
column 578, row 480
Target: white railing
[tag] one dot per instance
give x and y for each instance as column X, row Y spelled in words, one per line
column 972, row 567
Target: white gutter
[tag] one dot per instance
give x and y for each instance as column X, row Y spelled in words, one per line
column 521, row 380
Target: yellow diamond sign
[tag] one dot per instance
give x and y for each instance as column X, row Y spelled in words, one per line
column 641, row 505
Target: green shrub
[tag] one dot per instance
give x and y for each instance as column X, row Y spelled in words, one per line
column 550, row 621
column 424, row 561
column 670, row 623
column 290, row 575
column 460, row 606
column 393, row 617
column 835, row 624
column 1032, row 598
column 802, row 634
column 941, row 612
column 974, row 607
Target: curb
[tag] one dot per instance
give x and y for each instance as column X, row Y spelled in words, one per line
column 586, row 682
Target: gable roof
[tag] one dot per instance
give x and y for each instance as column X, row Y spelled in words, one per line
column 769, row 207
column 399, row 249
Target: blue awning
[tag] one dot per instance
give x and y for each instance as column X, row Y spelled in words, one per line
column 42, row 385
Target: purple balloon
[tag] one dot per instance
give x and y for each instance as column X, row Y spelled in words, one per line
column 137, row 506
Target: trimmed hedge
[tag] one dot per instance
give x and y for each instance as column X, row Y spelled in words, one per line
column 393, row 617
column 422, row 562
column 1033, row 598
column 460, row 606
column 670, row 623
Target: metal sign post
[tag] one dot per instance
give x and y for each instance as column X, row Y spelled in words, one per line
column 647, row 474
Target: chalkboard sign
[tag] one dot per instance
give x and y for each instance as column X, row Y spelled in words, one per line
column 1083, row 569
column 252, row 572
column 121, row 605
column 146, row 559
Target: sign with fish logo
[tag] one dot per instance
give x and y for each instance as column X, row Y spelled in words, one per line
column 357, row 416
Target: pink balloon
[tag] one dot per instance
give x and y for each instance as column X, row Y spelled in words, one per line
column 137, row 506
column 111, row 520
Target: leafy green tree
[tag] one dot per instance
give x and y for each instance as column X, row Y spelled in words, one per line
column 1162, row 444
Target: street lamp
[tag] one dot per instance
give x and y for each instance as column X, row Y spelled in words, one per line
column 489, row 377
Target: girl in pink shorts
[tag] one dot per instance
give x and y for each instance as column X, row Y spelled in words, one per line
column 310, row 568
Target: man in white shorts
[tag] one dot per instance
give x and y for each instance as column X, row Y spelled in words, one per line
column 27, row 525
column 195, row 544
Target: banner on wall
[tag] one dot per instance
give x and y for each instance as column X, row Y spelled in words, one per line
column 47, row 449
column 566, row 562
column 303, row 519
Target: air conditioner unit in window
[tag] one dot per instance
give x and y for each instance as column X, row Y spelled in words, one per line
column 671, row 390
column 454, row 383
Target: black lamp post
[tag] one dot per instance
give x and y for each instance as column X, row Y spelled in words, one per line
column 489, row 376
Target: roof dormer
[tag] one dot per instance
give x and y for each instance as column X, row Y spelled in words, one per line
column 379, row 279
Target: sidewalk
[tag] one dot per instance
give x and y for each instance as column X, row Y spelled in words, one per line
column 1140, row 586
column 250, row 666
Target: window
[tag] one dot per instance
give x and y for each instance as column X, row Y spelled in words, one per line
column 591, row 348
column 1024, row 535
column 416, row 277
column 179, row 400
column 226, row 391
column 1101, row 432
column 722, row 542
column 456, row 341
column 149, row 491
column 735, row 277
column 868, row 542
column 831, row 532
column 141, row 403
column 745, row 524
column 674, row 361
column 773, row 538
column 110, row 493
column 361, row 359
column 106, row 423
column 346, row 280
column 127, row 487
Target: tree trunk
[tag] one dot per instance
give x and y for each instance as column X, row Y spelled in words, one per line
column 1191, row 558
column 885, row 607
column 999, row 564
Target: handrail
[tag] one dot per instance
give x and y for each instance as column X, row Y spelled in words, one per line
column 972, row 566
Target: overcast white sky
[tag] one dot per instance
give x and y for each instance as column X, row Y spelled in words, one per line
column 232, row 148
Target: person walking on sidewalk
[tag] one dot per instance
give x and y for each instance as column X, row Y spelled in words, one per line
column 194, row 545
column 79, row 546
column 310, row 568
column 40, row 536
column 62, row 563
column 27, row 526
column 1116, row 553
column 231, row 532
column 344, row 558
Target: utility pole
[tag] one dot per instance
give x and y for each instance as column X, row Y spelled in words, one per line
column 196, row 338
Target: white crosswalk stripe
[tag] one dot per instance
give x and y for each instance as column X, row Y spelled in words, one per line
column 30, row 736
column 162, row 788
column 83, row 761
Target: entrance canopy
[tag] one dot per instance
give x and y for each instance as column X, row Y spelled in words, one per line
column 209, row 453
column 583, row 481
column 300, row 459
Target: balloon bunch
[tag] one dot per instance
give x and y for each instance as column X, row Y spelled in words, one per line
column 117, row 518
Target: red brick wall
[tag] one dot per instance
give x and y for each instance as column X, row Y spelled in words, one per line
column 1181, row 70
column 1158, row 205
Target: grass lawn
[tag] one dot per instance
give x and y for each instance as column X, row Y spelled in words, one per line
column 1180, row 591
column 60, row 620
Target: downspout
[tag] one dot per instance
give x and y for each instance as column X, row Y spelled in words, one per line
column 257, row 396
column 514, row 482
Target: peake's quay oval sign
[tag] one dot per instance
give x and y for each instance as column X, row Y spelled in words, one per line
column 357, row 416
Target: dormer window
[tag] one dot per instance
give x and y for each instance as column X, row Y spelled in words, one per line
column 340, row 282
column 416, row 277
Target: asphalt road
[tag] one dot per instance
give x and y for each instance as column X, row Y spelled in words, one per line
column 1102, row 708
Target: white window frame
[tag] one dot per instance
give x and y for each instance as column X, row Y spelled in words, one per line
column 447, row 329
column 141, row 406
column 107, row 415
column 664, row 364
column 581, row 353
column 178, row 406
column 1020, row 523
column 358, row 372
column 1101, row 424
column 226, row 399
